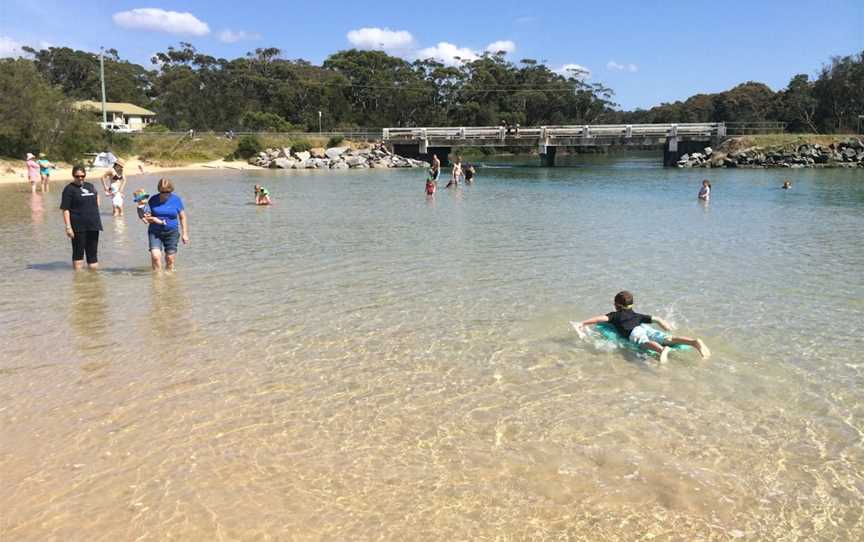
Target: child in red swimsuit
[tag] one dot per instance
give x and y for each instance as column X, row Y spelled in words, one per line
column 431, row 186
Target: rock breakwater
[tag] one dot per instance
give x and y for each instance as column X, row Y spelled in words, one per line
column 845, row 154
column 374, row 157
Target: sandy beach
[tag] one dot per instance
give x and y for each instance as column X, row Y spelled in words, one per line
column 16, row 172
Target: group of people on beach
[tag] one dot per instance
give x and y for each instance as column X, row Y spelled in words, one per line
column 458, row 172
column 167, row 225
column 163, row 213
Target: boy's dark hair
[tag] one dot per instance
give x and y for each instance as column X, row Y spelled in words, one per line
column 77, row 168
column 623, row 299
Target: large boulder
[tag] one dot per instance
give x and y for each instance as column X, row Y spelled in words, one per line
column 339, row 164
column 283, row 163
column 355, row 161
column 285, row 152
column 317, row 152
column 335, row 152
column 303, row 155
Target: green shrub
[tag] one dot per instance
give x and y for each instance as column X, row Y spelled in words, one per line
column 156, row 128
column 301, row 145
column 335, row 141
column 78, row 136
column 118, row 143
column 261, row 121
column 247, row 146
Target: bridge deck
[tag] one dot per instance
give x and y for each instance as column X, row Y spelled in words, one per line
column 552, row 136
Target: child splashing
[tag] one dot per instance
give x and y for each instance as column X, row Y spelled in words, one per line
column 632, row 326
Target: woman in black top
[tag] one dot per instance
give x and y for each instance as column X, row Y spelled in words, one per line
column 80, row 205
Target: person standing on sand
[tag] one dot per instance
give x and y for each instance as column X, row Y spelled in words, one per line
column 80, row 205
column 45, row 168
column 32, row 171
column 167, row 224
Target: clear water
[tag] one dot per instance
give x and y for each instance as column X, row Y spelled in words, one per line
column 360, row 362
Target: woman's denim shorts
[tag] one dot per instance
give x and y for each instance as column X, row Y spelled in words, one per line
column 164, row 240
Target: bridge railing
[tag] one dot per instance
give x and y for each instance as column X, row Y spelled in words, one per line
column 750, row 128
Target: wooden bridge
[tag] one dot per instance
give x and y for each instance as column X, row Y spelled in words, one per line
column 676, row 139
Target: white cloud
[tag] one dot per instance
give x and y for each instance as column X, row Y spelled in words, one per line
column 382, row 39
column 10, row 47
column 448, row 53
column 159, row 20
column 574, row 70
column 501, row 45
column 402, row 43
column 230, row 36
column 614, row 66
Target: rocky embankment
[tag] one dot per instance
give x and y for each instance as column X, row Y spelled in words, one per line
column 375, row 157
column 845, row 154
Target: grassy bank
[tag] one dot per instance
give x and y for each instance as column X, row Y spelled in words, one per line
column 170, row 151
column 782, row 141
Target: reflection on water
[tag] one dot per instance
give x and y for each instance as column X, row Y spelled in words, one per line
column 88, row 311
column 37, row 209
column 359, row 361
column 169, row 313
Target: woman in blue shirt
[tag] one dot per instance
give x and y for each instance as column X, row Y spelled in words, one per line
column 167, row 225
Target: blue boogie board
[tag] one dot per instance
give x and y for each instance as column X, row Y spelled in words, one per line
column 609, row 336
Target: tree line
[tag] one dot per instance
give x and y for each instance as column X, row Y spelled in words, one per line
column 263, row 91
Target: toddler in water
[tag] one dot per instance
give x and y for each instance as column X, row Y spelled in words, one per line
column 705, row 191
column 141, row 198
column 262, row 195
column 431, row 186
column 632, row 326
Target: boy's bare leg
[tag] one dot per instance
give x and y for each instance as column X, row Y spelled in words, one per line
column 698, row 344
column 660, row 349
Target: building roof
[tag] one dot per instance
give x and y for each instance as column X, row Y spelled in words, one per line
column 115, row 107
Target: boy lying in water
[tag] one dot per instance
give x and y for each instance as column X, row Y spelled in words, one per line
column 632, row 326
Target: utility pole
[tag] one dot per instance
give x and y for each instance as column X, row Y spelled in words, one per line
column 319, row 122
column 102, row 76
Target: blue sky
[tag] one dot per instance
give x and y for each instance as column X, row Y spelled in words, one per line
column 648, row 51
